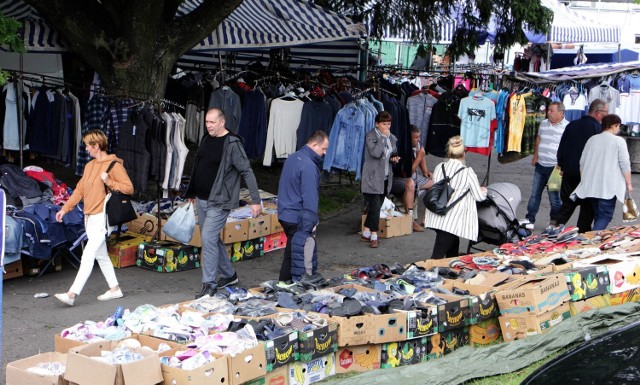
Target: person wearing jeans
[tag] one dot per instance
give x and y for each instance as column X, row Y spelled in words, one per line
column 544, row 160
column 215, row 182
column 91, row 190
column 606, row 172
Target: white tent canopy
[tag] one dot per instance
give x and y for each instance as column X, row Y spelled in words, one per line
column 254, row 24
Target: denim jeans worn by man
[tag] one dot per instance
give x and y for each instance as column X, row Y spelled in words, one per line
column 215, row 182
column 544, row 160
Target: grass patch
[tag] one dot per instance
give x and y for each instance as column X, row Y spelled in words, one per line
column 335, row 198
column 514, row 378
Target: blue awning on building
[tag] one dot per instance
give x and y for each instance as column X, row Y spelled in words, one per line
column 254, row 24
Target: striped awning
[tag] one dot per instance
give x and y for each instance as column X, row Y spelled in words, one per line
column 254, row 24
column 570, row 27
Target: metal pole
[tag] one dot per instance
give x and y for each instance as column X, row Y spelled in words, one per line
column 619, row 54
column 548, row 56
column 19, row 91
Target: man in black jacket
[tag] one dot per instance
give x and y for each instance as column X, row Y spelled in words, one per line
column 573, row 140
column 215, row 182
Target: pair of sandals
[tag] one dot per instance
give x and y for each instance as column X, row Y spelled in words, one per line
column 377, row 271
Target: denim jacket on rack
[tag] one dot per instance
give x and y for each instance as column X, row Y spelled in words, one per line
column 346, row 141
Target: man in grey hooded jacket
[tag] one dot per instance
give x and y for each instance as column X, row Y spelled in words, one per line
column 215, row 182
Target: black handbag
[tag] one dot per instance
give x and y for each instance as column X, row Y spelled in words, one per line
column 437, row 197
column 118, row 207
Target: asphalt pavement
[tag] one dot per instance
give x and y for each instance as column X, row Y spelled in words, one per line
column 29, row 324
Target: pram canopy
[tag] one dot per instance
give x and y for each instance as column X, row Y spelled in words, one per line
column 499, row 211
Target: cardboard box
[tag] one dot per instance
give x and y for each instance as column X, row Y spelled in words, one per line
column 523, row 325
column 125, row 252
column 361, row 358
column 236, row 230
column 167, row 256
column 422, row 322
column 369, row 328
column 249, row 249
column 17, row 372
column 587, row 282
column 631, row 295
column 456, row 312
column 393, row 226
column 215, row 372
column 63, row 345
column 13, row 270
column 275, row 241
column 248, row 365
column 305, row 373
column 534, row 295
column 318, row 342
column 484, row 306
column 447, row 341
column 591, row 303
column 276, row 227
column 279, row 376
column 282, row 351
column 485, row 332
column 624, row 273
column 260, row 226
column 400, row 353
column 147, row 224
column 84, row 370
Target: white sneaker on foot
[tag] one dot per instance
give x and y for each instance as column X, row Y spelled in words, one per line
column 64, row 298
column 108, row 295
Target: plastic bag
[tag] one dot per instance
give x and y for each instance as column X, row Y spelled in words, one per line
column 387, row 208
column 181, row 224
column 555, row 180
column 629, row 209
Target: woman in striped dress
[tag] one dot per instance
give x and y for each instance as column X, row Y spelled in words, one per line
column 461, row 221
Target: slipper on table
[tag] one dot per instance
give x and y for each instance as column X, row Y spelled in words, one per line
column 348, row 308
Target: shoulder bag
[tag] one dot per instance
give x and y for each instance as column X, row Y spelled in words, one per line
column 437, row 197
column 118, row 207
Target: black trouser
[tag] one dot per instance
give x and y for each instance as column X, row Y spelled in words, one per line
column 446, row 244
column 373, row 202
column 585, row 218
column 285, row 270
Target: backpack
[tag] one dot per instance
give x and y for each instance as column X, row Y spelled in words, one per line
column 437, row 197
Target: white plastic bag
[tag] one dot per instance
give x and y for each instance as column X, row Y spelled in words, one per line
column 387, row 208
column 181, row 224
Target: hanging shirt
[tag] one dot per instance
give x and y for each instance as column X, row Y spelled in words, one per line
column 575, row 106
column 536, row 106
column 476, row 113
column 420, row 107
column 606, row 93
column 284, row 119
column 517, row 116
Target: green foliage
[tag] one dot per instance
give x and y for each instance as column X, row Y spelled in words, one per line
column 10, row 39
column 421, row 20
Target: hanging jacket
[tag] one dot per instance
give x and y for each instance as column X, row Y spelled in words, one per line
column 134, row 151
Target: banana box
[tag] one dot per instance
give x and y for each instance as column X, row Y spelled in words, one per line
column 421, row 322
column 260, row 226
column 275, row 241
column 533, row 295
column 454, row 339
column 305, row 373
column 250, row 249
column 587, row 282
column 125, row 252
column 247, row 365
column 279, row 376
column 520, row 326
column 360, row 358
column 597, row 302
column 484, row 306
column 319, row 342
column 456, row 312
column 167, row 256
column 486, row 332
column 631, row 295
column 236, row 230
column 400, row 353
column 281, row 351
column 624, row 272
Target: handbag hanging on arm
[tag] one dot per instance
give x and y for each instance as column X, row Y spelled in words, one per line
column 118, row 208
column 629, row 209
column 437, row 197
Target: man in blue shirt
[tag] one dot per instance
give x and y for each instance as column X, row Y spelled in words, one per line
column 298, row 195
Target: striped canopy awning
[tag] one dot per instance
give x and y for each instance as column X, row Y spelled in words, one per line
column 570, row 27
column 254, row 24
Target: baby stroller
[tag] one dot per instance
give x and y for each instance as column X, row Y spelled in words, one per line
column 497, row 216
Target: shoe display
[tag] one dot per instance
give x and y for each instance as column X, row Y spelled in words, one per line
column 224, row 282
column 373, row 244
column 108, row 295
column 207, row 289
column 417, row 228
column 64, row 298
column 311, row 280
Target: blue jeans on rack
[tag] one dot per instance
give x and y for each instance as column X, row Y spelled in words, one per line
column 540, row 178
